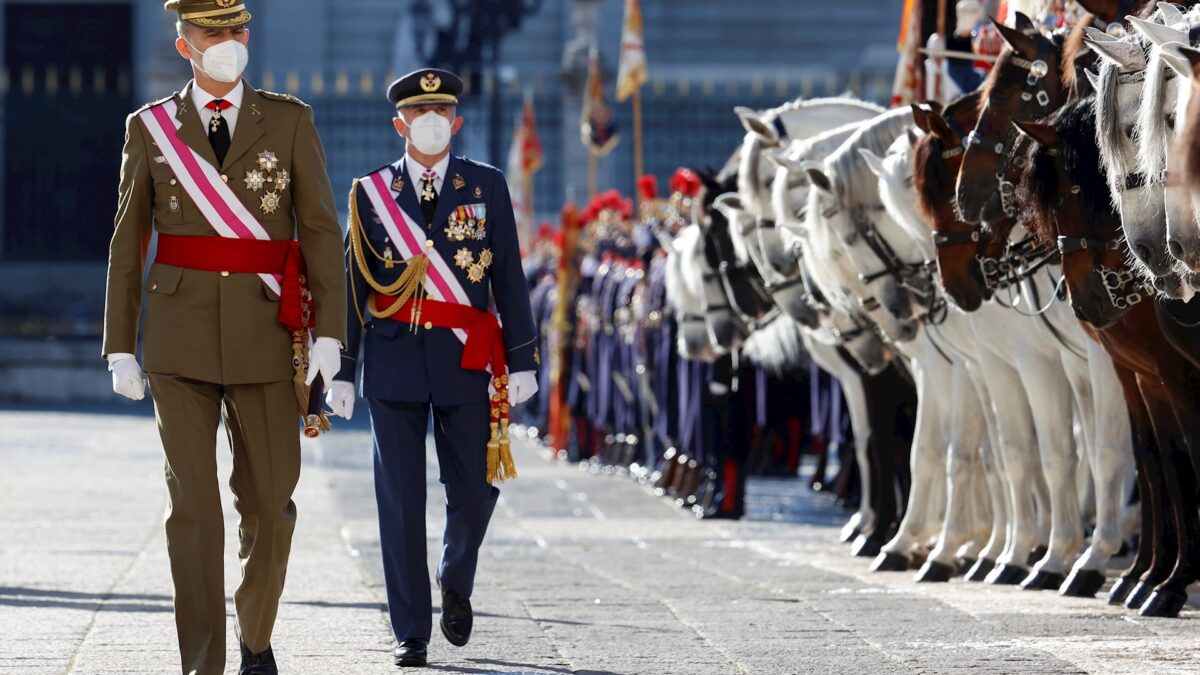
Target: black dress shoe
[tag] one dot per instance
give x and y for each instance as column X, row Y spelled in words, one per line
column 412, row 653
column 457, row 617
column 262, row 663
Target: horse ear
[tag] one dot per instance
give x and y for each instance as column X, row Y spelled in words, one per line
column 753, row 122
column 1019, row 42
column 781, row 160
column 1192, row 55
column 938, row 127
column 1126, row 55
column 729, row 204
column 1023, row 23
column 911, row 132
column 920, row 116
column 1157, row 33
column 1043, row 134
column 1177, row 61
column 819, row 180
column 1170, row 13
column 1104, row 10
column 1093, row 79
column 1096, row 35
column 874, row 162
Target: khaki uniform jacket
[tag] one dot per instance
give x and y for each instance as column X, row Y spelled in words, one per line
column 211, row 326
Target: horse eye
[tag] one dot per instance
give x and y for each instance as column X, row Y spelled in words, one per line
column 1129, row 131
column 1171, row 121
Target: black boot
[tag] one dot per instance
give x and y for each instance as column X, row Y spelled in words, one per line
column 262, row 663
column 412, row 653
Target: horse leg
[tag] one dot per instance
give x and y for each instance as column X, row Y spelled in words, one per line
column 1049, row 395
column 927, row 464
column 961, row 469
column 1110, row 453
column 887, row 393
column 856, row 404
column 1170, row 595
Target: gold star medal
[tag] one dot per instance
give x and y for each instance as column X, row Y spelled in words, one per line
column 270, row 202
column 267, row 160
column 464, row 258
column 282, row 180
column 475, row 274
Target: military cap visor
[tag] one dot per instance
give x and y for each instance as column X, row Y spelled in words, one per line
column 211, row 13
column 428, row 85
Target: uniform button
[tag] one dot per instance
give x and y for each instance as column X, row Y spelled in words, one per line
column 428, row 243
column 225, row 178
column 428, row 325
column 154, row 286
column 174, row 182
column 224, row 274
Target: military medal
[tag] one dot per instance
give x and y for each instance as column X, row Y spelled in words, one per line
column 478, row 192
column 387, row 258
column 398, row 184
column 427, row 193
column 459, row 183
column 282, row 180
column 270, row 202
column 173, row 204
column 215, row 124
column 475, row 269
column 255, row 180
column 267, row 160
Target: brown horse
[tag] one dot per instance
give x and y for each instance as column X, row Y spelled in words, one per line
column 1026, row 82
column 1069, row 205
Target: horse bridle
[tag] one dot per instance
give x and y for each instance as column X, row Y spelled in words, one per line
column 1123, row 287
column 1033, row 92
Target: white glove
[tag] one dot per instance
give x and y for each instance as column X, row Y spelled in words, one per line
column 127, row 376
column 325, row 357
column 521, row 387
column 340, row 398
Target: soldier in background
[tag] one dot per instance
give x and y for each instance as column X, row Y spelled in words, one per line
column 233, row 180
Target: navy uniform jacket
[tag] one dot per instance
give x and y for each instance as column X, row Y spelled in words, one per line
column 400, row 365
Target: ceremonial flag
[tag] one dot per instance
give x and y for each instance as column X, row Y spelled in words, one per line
column 907, row 86
column 631, row 71
column 525, row 158
column 598, row 130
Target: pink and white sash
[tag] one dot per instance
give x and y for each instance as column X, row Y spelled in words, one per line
column 410, row 238
column 202, row 182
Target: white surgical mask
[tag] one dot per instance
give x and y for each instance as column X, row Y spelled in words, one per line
column 224, row 62
column 429, row 133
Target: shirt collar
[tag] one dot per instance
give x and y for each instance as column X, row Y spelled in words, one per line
column 415, row 169
column 201, row 97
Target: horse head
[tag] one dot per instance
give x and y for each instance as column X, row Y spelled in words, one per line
column 1025, row 82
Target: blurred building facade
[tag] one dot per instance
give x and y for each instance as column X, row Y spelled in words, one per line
column 74, row 70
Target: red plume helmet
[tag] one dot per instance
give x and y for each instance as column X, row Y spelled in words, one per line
column 648, row 187
column 686, row 182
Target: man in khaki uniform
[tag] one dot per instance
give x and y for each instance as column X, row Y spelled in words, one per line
column 229, row 177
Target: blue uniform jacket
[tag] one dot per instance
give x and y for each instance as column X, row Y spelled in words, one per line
column 398, row 364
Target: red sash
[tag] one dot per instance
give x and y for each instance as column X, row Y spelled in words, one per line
column 246, row 256
column 485, row 342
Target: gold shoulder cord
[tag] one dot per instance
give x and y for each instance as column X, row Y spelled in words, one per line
column 411, row 282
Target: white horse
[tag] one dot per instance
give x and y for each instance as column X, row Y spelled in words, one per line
column 1097, row 392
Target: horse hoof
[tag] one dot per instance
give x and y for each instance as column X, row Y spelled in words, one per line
column 1082, row 584
column 889, row 562
column 849, row 536
column 1042, row 580
column 1120, row 590
column 1163, row 603
column 980, row 570
column 964, row 565
column 934, row 571
column 1037, row 554
column 1007, row 575
column 918, row 560
column 1139, row 595
column 866, row 547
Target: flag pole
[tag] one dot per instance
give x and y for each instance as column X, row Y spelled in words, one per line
column 591, row 175
column 637, row 142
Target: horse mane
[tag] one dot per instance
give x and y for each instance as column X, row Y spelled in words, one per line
column 1075, row 124
column 1185, row 151
column 930, row 177
column 1152, row 133
column 777, row 346
column 1073, row 47
column 1108, row 127
column 846, row 168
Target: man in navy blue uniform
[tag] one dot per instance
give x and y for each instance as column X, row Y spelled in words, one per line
column 431, row 245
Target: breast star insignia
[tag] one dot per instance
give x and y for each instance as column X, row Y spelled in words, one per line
column 267, row 160
column 255, row 180
column 282, row 180
column 270, row 202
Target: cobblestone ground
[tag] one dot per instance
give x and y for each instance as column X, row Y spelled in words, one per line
column 580, row 574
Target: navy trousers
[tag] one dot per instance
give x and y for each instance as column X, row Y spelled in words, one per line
column 461, row 434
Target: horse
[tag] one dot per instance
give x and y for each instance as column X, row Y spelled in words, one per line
column 1070, row 205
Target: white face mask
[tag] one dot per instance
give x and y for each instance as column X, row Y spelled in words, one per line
column 429, row 133
column 224, row 62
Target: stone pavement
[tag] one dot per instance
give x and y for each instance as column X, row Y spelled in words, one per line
column 580, row 574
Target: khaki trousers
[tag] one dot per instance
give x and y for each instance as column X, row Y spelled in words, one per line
column 263, row 427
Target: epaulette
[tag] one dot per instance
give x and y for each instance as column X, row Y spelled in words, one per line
column 377, row 169
column 154, row 103
column 481, row 165
column 276, row 96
